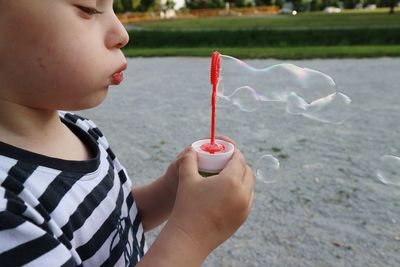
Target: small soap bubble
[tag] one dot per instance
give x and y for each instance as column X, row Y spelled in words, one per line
column 389, row 170
column 267, row 169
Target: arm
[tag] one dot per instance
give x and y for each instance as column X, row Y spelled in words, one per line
column 155, row 202
column 173, row 247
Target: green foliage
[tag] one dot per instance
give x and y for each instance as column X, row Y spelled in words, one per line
column 146, row 4
column 387, row 3
column 315, row 5
column 280, row 3
column 350, row 3
column 326, row 3
column 275, row 149
column 135, row 4
column 118, row 6
column 121, row 6
column 170, row 4
column 196, row 4
column 298, row 5
column 298, row 52
column 264, row 2
column 127, row 5
column 215, row 3
column 259, row 38
column 242, row 3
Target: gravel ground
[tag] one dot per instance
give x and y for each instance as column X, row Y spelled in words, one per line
column 327, row 209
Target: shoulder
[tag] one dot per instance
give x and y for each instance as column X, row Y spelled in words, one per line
column 84, row 123
column 91, row 128
column 88, row 126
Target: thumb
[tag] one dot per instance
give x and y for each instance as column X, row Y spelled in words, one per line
column 188, row 166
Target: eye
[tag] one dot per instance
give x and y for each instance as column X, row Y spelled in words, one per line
column 89, row 10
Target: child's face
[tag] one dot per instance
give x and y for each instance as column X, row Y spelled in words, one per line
column 55, row 55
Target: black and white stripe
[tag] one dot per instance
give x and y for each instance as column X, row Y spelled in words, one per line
column 66, row 213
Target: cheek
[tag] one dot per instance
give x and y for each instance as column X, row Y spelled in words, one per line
column 75, row 65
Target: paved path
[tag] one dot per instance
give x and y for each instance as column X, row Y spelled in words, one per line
column 328, row 209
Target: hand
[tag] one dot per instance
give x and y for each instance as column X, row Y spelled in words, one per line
column 210, row 210
column 156, row 200
column 172, row 174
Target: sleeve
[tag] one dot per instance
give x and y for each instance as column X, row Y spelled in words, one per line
column 25, row 243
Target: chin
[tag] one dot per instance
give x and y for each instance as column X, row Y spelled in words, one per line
column 87, row 103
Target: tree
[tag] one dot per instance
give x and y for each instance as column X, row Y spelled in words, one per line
column 118, row 6
column 170, row 4
column 316, row 5
column 350, row 4
column 135, row 4
column 215, row 3
column 121, row 6
column 392, row 5
column 242, row 3
column 280, row 3
column 298, row 5
column 196, row 4
column 264, row 2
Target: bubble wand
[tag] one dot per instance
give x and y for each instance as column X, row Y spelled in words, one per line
column 214, row 77
column 213, row 147
column 212, row 154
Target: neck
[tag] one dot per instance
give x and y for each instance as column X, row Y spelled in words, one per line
column 18, row 121
column 39, row 131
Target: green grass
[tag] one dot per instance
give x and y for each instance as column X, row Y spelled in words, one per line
column 302, row 21
column 272, row 52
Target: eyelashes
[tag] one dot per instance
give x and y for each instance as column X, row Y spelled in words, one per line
column 89, row 10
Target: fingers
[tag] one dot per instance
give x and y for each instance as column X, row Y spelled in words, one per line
column 183, row 152
column 238, row 169
column 249, row 180
column 188, row 165
column 226, row 138
column 236, row 166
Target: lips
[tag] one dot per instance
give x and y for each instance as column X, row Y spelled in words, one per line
column 118, row 76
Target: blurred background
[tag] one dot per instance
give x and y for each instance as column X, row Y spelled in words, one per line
column 281, row 29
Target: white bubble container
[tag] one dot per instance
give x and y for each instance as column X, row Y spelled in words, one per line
column 212, row 163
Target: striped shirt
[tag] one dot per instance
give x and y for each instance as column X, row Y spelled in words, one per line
column 56, row 212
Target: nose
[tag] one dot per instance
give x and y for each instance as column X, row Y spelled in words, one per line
column 117, row 36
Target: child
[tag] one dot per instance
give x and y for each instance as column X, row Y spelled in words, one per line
column 65, row 200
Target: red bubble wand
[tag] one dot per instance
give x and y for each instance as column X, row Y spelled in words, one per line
column 214, row 78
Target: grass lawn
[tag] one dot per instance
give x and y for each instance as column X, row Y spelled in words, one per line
column 302, row 20
column 272, row 52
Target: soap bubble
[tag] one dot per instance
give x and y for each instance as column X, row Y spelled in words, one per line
column 389, row 170
column 306, row 92
column 267, row 169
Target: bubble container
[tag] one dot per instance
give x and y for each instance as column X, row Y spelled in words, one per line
column 212, row 163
